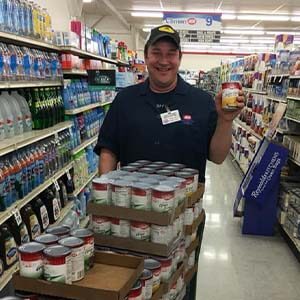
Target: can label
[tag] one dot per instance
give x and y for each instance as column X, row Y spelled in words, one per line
column 166, row 272
column 141, row 199
column 121, row 196
column 59, row 273
column 156, row 280
column 77, row 263
column 140, row 231
column 147, row 289
column 163, row 201
column 31, row 269
column 101, row 225
column 101, row 193
column 188, row 216
column 230, row 92
column 120, row 228
column 160, row 234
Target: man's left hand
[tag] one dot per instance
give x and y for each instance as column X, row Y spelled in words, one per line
column 229, row 116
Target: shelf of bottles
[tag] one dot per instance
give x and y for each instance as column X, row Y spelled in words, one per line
column 63, row 213
column 90, row 178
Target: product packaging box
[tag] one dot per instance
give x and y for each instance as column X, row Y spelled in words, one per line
column 112, row 277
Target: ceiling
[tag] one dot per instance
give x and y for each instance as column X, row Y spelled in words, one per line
column 236, row 8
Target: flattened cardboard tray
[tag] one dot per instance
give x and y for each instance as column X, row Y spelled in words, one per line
column 196, row 196
column 151, row 217
column 168, row 285
column 190, row 229
column 190, row 273
column 111, row 278
column 192, row 247
column 136, row 245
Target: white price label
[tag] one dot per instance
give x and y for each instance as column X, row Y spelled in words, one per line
column 69, row 175
column 17, row 216
column 56, row 185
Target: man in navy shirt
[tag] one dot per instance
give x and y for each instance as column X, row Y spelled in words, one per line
column 165, row 118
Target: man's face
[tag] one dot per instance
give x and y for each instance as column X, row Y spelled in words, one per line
column 163, row 60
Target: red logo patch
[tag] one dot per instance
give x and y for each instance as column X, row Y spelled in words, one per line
column 187, row 117
column 192, row 21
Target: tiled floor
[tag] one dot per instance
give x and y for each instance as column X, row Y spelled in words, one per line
column 237, row 267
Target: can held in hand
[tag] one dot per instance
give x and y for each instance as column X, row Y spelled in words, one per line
column 230, row 92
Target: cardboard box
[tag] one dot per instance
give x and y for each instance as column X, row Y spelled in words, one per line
column 159, row 293
column 150, row 217
column 190, row 229
column 192, row 247
column 190, row 201
column 135, row 245
column 111, row 278
column 168, row 285
column 190, row 273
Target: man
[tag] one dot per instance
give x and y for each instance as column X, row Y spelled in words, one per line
column 137, row 126
column 165, row 118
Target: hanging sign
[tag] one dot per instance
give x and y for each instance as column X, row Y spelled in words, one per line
column 195, row 27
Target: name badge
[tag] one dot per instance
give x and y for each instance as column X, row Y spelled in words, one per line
column 170, row 117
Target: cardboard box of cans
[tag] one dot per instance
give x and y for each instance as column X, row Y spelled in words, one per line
column 190, row 229
column 112, row 277
column 190, row 273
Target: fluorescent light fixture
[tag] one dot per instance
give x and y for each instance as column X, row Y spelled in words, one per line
column 263, row 18
column 295, row 19
column 228, row 17
column 230, row 41
column 151, row 25
column 262, row 42
column 249, row 32
column 87, row 1
column 147, row 29
column 282, row 32
column 150, row 14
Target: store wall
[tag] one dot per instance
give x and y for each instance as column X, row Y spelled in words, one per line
column 202, row 62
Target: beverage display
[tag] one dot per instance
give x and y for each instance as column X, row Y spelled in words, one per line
column 22, row 63
column 25, row 18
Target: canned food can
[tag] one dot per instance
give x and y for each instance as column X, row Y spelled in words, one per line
column 140, row 231
column 101, row 190
column 129, row 169
column 163, row 198
column 120, row 228
column 147, row 283
column 188, row 216
column 147, row 170
column 195, row 172
column 160, row 234
column 191, row 260
column 136, row 292
column 189, row 181
column 155, row 267
column 121, row 193
column 230, row 92
column 166, row 267
column 101, row 225
column 141, row 196
column 143, row 162
column 165, row 172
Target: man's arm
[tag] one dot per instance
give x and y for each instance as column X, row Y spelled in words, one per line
column 107, row 161
column 221, row 140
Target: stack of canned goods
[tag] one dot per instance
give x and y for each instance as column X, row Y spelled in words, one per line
column 138, row 230
column 60, row 255
column 145, row 185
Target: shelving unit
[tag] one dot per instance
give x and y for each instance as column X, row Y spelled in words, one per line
column 248, row 129
column 84, row 145
column 77, row 191
column 277, row 99
column 7, row 275
column 75, row 72
column 21, row 203
column 292, row 119
column 294, row 161
column 28, row 84
column 255, row 92
column 293, row 98
column 17, row 142
column 79, row 110
column 63, row 213
column 295, row 77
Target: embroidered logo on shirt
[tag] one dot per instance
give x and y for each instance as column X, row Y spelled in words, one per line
column 187, row 119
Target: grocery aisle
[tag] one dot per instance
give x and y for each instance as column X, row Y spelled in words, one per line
column 236, row 267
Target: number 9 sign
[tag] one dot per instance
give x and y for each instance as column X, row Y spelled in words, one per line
column 209, row 21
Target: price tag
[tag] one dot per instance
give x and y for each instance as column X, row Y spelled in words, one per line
column 56, row 185
column 17, row 216
column 170, row 117
column 69, row 175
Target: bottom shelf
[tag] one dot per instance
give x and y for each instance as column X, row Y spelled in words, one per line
column 235, row 162
column 7, row 275
column 292, row 242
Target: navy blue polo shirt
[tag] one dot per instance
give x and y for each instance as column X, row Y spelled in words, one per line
column 133, row 128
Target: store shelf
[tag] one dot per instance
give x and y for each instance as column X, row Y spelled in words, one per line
column 292, row 242
column 243, row 172
column 82, row 109
column 27, row 41
column 248, row 129
column 295, row 77
column 255, row 91
column 293, row 98
column 292, row 119
column 123, row 63
column 28, row 84
column 77, row 191
column 75, row 72
column 7, row 275
column 84, row 145
column 63, row 213
column 17, row 142
column 277, row 99
column 294, row 161
column 85, row 54
column 281, row 131
column 84, row 222
column 279, row 75
column 21, row 203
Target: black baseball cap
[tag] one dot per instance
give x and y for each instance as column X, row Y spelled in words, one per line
column 163, row 31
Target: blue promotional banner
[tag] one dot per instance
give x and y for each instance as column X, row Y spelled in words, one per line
column 195, row 27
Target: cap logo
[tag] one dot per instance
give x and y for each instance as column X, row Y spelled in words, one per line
column 166, row 29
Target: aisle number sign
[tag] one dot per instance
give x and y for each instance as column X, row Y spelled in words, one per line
column 195, row 27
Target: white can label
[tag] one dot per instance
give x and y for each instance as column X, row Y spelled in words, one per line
column 121, row 196
column 101, row 225
column 121, row 230
column 77, row 263
column 166, row 273
column 188, row 216
column 56, row 209
column 31, row 269
column 162, row 205
column 59, row 273
column 141, row 202
column 190, row 187
column 156, row 280
column 147, row 289
column 140, row 233
column 44, row 217
column 160, row 234
column 101, row 196
column 191, row 261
